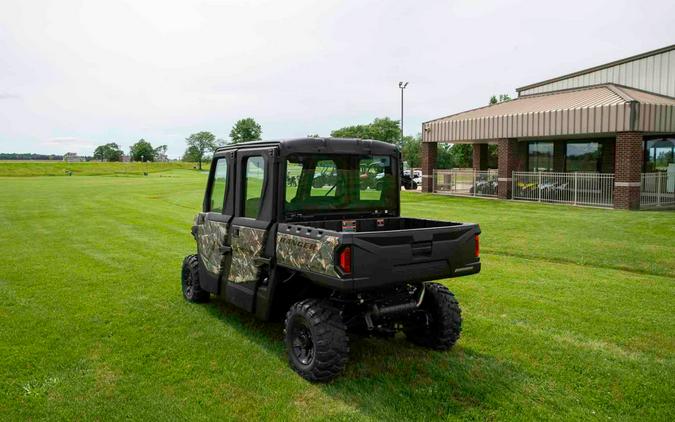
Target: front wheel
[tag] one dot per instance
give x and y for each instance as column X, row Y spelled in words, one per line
column 316, row 340
column 438, row 322
column 192, row 291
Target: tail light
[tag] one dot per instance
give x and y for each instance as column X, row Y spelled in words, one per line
column 345, row 260
column 476, row 246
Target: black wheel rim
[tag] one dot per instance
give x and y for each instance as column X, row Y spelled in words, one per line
column 302, row 344
column 188, row 284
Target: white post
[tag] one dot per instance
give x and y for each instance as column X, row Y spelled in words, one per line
column 474, row 182
column 658, row 189
column 539, row 185
column 575, row 187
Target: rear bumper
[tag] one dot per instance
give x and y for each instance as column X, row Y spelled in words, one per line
column 425, row 272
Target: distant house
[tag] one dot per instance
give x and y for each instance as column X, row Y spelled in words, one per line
column 72, row 157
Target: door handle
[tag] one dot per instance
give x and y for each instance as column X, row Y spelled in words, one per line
column 259, row 261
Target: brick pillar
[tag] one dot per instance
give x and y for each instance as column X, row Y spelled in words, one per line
column 627, row 167
column 480, row 156
column 429, row 153
column 607, row 165
column 507, row 152
column 559, row 156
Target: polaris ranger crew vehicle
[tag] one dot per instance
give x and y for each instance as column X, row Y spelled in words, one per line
column 331, row 253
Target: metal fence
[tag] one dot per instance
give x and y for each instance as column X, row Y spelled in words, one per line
column 466, row 182
column 593, row 189
column 657, row 189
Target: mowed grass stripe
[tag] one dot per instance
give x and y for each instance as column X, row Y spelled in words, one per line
column 94, row 325
column 640, row 242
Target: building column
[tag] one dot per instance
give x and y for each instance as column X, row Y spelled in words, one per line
column 507, row 152
column 559, row 156
column 627, row 168
column 480, row 156
column 429, row 154
column 607, row 161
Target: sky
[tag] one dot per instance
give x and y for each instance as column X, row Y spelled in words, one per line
column 77, row 74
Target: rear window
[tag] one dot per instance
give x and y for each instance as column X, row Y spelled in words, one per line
column 349, row 183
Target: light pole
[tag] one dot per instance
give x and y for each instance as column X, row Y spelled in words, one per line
column 402, row 85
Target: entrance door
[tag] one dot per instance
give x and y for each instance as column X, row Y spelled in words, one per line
column 250, row 226
column 213, row 225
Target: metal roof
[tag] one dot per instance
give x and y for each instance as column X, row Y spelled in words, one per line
column 606, row 108
column 652, row 71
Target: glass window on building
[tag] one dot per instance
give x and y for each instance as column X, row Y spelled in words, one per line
column 583, row 157
column 540, row 156
column 659, row 154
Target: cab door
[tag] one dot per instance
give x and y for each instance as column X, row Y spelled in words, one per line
column 251, row 224
column 213, row 224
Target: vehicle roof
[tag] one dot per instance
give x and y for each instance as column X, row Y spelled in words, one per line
column 319, row 145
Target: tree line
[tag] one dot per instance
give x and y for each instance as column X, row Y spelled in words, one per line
column 30, row 156
column 140, row 151
column 201, row 144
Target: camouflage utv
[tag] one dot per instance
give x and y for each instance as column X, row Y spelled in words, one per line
column 334, row 258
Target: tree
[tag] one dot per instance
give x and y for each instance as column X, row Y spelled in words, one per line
column 160, row 152
column 245, row 130
column 444, row 157
column 142, row 151
column 198, row 144
column 501, row 99
column 191, row 155
column 410, row 150
column 462, row 155
column 108, row 152
column 382, row 129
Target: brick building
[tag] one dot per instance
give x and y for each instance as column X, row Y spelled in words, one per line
column 603, row 136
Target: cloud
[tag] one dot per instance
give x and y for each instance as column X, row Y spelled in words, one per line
column 297, row 67
column 70, row 143
column 8, row 96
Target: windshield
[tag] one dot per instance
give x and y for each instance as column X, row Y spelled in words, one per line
column 339, row 183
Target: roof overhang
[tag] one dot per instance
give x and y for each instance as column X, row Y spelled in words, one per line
column 593, row 111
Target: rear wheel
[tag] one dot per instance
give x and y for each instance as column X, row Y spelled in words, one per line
column 192, row 291
column 438, row 323
column 316, row 340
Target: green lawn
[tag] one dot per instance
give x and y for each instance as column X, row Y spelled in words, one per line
column 60, row 168
column 572, row 317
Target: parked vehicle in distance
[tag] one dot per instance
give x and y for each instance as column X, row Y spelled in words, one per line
column 334, row 258
column 408, row 182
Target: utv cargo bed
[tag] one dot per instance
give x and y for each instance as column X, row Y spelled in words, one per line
column 384, row 251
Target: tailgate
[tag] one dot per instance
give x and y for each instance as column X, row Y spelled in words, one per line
column 413, row 255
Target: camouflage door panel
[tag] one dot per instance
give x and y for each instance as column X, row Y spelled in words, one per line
column 211, row 236
column 247, row 246
column 306, row 254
